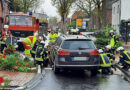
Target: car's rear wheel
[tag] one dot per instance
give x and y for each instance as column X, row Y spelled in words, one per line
column 107, row 71
column 55, row 69
column 94, row 72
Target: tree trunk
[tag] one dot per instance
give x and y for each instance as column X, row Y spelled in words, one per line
column 99, row 16
column 104, row 13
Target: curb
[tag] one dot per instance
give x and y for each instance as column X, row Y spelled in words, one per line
column 32, row 83
column 126, row 74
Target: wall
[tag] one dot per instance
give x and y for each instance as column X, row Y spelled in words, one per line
column 125, row 9
column 116, row 15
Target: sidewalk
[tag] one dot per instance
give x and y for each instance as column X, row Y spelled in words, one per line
column 17, row 78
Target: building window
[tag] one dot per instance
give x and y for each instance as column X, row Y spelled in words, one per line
column 118, row 9
column 114, row 10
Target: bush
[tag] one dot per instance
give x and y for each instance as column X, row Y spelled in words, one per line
column 101, row 42
column 9, row 50
column 13, row 63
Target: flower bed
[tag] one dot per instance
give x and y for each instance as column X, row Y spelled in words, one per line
column 4, row 82
column 14, row 63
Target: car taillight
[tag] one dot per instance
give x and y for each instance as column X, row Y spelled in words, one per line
column 95, row 52
column 61, row 52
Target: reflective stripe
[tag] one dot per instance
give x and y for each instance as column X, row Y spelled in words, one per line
column 127, row 61
column 39, row 59
column 126, row 53
column 34, row 52
column 104, row 62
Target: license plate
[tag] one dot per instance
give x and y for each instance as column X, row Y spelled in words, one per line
column 80, row 58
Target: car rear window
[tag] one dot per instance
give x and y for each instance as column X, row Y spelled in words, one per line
column 78, row 44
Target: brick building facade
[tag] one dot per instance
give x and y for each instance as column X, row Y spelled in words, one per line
column 3, row 11
column 93, row 23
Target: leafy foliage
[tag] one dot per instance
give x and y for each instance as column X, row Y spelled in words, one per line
column 13, row 63
column 73, row 24
column 103, row 37
column 9, row 50
column 21, row 5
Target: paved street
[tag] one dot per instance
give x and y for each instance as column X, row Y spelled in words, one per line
column 81, row 81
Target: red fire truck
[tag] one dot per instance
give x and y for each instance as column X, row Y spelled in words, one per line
column 21, row 26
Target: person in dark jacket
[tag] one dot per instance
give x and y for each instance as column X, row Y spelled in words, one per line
column 124, row 58
column 40, row 56
column 109, row 53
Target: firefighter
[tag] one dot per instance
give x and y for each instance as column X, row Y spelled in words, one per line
column 109, row 53
column 46, row 56
column 105, row 63
column 52, row 37
column 4, row 35
column 29, row 42
column 124, row 58
column 40, row 55
column 33, row 50
column 114, row 40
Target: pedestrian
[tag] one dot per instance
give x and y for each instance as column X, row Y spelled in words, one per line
column 114, row 40
column 109, row 53
column 40, row 55
column 4, row 35
column 124, row 58
column 104, row 63
column 29, row 42
column 52, row 38
column 33, row 50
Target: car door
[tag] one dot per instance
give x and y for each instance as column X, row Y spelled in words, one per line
column 56, row 47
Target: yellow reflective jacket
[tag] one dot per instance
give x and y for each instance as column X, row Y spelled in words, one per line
column 113, row 41
column 104, row 61
column 53, row 38
column 30, row 40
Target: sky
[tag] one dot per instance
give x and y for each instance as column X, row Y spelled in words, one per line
column 49, row 9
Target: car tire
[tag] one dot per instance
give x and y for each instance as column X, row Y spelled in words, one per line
column 55, row 69
column 106, row 71
column 94, row 72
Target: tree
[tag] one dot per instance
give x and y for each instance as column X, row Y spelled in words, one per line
column 63, row 7
column 53, row 21
column 15, row 5
column 98, row 4
column 73, row 24
column 85, row 5
column 104, row 12
column 22, row 5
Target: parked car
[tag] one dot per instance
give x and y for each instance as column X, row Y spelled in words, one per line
column 75, row 52
column 89, row 35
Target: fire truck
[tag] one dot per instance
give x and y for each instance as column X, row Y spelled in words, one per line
column 21, row 26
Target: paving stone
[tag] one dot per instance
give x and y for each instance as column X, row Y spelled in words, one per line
column 17, row 78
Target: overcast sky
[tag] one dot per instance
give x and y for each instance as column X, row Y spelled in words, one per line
column 49, row 9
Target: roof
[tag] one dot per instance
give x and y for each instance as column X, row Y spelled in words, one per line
column 74, row 37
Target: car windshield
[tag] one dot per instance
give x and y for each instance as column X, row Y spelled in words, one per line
column 78, row 45
column 20, row 20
